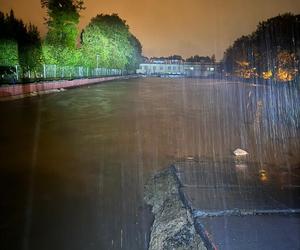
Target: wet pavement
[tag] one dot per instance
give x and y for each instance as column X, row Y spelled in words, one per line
column 270, row 232
column 74, row 164
column 242, row 206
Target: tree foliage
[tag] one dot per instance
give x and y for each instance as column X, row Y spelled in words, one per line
column 60, row 45
column 135, row 55
column 107, row 42
column 20, row 44
column 200, row 59
column 274, row 41
column 62, row 21
column 8, row 52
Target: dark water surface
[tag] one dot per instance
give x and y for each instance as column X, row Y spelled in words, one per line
column 73, row 164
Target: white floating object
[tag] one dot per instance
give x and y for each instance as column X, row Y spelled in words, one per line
column 240, row 152
column 190, row 158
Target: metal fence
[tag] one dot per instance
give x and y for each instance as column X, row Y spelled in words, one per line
column 54, row 71
column 14, row 74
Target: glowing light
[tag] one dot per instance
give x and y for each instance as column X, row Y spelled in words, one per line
column 244, row 70
column 286, row 75
column 286, row 66
column 267, row 74
column 263, row 176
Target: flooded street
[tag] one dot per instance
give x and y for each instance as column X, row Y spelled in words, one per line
column 74, row 164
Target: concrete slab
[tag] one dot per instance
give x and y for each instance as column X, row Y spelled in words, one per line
column 214, row 186
column 254, row 232
column 209, row 200
column 242, row 205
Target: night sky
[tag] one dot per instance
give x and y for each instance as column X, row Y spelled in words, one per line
column 165, row 27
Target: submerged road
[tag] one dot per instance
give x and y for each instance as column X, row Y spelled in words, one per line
column 74, row 164
column 238, row 207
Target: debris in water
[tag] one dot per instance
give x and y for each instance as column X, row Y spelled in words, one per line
column 240, row 152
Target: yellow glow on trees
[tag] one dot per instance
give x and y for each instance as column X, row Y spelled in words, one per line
column 286, row 66
column 272, row 50
column 267, row 74
column 286, row 75
column 244, row 70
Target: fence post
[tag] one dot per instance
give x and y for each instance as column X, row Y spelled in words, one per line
column 44, row 66
column 17, row 72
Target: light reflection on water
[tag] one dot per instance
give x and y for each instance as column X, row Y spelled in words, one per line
column 97, row 145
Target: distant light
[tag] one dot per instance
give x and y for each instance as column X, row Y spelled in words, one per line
column 263, row 176
column 191, row 68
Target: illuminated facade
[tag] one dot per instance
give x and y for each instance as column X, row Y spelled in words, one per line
column 180, row 68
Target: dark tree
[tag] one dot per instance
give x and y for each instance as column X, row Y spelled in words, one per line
column 272, row 51
column 19, row 44
column 199, row 59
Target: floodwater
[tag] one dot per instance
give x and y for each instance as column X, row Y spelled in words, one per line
column 73, row 164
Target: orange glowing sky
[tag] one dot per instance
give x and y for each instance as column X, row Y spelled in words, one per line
column 166, row 27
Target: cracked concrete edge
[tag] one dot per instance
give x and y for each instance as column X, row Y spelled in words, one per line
column 174, row 227
column 201, row 231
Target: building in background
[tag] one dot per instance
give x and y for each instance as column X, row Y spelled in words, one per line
column 176, row 67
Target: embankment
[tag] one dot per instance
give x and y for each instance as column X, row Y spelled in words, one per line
column 25, row 90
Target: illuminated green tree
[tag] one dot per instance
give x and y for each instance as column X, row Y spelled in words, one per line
column 8, row 53
column 20, row 44
column 60, row 43
column 135, row 54
column 107, row 42
column 30, row 50
column 9, row 33
column 94, row 49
